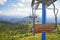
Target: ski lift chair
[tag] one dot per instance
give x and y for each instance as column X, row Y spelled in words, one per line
column 39, row 28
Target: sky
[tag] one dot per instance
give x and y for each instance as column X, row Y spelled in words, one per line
column 22, row 8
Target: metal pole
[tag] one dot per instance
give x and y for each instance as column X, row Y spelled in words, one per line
column 33, row 26
column 43, row 19
column 33, row 21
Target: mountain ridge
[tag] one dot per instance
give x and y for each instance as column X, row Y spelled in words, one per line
column 25, row 19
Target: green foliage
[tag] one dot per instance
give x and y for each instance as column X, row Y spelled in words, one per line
column 23, row 32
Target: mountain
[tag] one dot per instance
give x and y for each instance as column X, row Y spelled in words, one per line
column 52, row 20
column 10, row 19
column 17, row 20
column 27, row 19
column 48, row 20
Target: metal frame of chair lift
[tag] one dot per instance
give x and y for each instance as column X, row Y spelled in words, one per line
column 39, row 28
column 47, row 29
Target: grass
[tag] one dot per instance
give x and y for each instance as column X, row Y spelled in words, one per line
column 9, row 34
column 49, row 36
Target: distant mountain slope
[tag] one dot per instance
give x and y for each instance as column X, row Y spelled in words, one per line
column 10, row 19
column 48, row 20
column 17, row 20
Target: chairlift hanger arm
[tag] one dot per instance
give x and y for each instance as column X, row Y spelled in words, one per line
column 35, row 5
column 32, row 3
column 55, row 13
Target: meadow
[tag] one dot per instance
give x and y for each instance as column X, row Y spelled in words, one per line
column 24, row 32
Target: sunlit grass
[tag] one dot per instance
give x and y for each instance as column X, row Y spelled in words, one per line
column 49, row 36
column 15, row 34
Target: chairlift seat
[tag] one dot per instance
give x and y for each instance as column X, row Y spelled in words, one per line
column 39, row 28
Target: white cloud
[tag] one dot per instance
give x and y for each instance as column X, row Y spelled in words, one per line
column 20, row 4
column 17, row 5
column 25, row 11
column 0, row 11
column 49, row 13
column 24, row 1
column 14, row 5
column 2, row 2
column 28, row 0
column 18, row 12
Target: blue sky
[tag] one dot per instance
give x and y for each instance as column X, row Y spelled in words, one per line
column 22, row 8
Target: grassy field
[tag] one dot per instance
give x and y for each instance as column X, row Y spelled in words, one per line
column 24, row 32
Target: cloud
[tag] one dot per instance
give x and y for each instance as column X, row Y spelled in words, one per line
column 13, row 5
column 20, row 4
column 59, row 12
column 17, row 5
column 28, row 0
column 25, row 1
column 25, row 11
column 2, row 2
column 0, row 11
column 18, row 12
